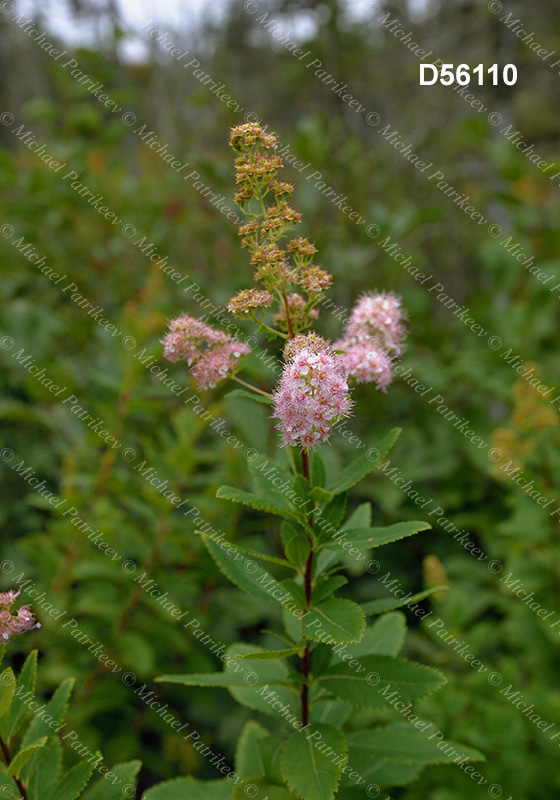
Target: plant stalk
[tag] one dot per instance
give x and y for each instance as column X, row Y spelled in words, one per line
column 306, row 659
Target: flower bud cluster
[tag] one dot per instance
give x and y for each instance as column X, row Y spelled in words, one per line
column 13, row 624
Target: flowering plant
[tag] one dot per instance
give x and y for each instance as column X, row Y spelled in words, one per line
column 330, row 660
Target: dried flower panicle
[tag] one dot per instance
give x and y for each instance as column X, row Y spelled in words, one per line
column 212, row 354
column 312, row 394
column 285, row 272
column 13, row 624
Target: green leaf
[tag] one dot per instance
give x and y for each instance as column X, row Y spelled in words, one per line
column 281, row 562
column 54, row 712
column 270, row 481
column 380, row 773
column 331, row 517
column 326, row 587
column 44, row 769
column 309, row 773
column 378, row 680
column 25, row 688
column 190, row 789
column 260, row 398
column 390, row 603
column 271, row 749
column 336, row 620
column 297, row 551
column 248, row 758
column 317, row 471
column 364, row 538
column 385, row 637
column 124, row 776
column 23, row 756
column 241, row 571
column 72, row 784
column 221, row 680
column 271, row 655
column 405, row 744
column 258, row 787
column 320, row 495
column 274, row 674
column 272, row 506
column 364, row 464
column 7, row 689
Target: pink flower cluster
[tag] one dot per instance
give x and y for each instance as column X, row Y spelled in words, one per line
column 312, row 394
column 12, row 625
column 373, row 333
column 378, row 316
column 216, row 362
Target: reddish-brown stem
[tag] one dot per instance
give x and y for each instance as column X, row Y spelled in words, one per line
column 288, row 316
column 306, row 659
column 8, row 759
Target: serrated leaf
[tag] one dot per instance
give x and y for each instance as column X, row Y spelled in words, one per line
column 331, row 517
column 44, row 773
column 22, row 757
column 390, row 603
column 364, row 538
column 220, row 680
column 274, row 674
column 317, row 471
column 380, row 773
column 378, row 680
column 271, row 655
column 25, row 688
column 320, row 495
column 270, row 481
column 326, row 587
column 281, row 562
column 272, row 506
column 308, row 772
column 359, row 468
column 72, row 784
column 336, row 620
column 258, row 787
column 385, row 637
column 54, row 712
column 124, row 776
column 241, row 571
column 405, row 744
column 270, row 749
column 297, row 551
column 181, row 788
column 7, row 689
column 248, row 758
column 259, row 398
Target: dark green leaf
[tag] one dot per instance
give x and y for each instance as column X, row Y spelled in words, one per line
column 190, row 789
column 405, row 744
column 336, row 620
column 258, row 787
column 390, row 603
column 309, row 773
column 364, row 464
column 248, row 758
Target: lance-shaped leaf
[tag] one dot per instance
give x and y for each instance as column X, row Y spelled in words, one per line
column 259, row 398
column 406, row 744
column 125, row 778
column 73, row 782
column 258, row 787
column 182, row 788
column 359, row 468
column 312, row 764
column 7, row 689
column 385, row 637
column 25, row 687
column 248, row 758
column 265, row 686
column 364, row 538
column 281, row 562
column 379, row 681
column 272, row 655
column 273, row 503
column 20, row 760
column 390, row 603
column 245, row 573
column 54, row 712
column 334, row 621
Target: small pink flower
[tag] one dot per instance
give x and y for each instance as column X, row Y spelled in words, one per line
column 365, row 364
column 212, row 354
column 377, row 319
column 12, row 625
column 312, row 394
